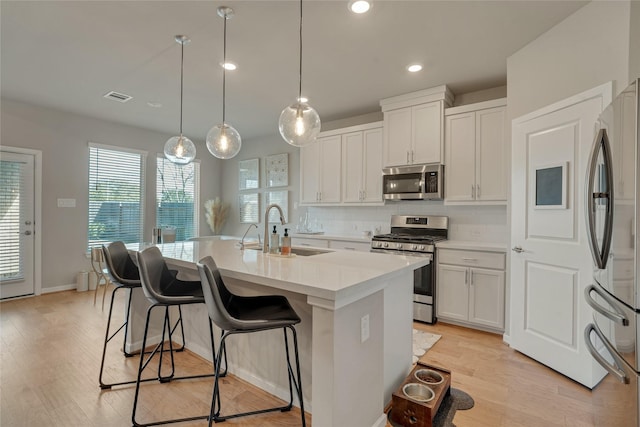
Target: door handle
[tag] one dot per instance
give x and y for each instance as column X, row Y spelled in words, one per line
column 517, row 249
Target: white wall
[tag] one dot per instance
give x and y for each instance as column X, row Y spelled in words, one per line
column 587, row 49
column 62, row 137
column 260, row 148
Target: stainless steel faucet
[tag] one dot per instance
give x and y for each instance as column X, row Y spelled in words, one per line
column 265, row 245
column 245, row 235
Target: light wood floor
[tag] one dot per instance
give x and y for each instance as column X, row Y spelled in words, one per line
column 50, row 349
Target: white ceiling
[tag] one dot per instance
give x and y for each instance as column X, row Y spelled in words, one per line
column 67, row 54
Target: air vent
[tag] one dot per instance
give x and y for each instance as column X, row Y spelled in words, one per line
column 116, row 96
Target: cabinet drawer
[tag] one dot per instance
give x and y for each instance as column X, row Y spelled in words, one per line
column 352, row 246
column 472, row 258
column 318, row 243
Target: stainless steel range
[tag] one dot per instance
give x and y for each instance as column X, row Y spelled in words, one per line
column 416, row 236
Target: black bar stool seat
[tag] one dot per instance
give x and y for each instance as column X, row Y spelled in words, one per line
column 236, row 314
column 163, row 289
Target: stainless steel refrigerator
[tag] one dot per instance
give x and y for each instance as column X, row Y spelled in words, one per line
column 612, row 197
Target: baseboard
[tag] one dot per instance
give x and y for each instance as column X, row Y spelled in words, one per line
column 249, row 377
column 507, row 339
column 135, row 346
column 381, row 422
column 60, row 288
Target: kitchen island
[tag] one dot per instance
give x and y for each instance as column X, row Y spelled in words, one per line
column 356, row 330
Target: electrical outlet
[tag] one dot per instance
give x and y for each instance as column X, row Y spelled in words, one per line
column 364, row 328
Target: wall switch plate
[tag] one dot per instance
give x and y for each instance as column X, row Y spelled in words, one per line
column 364, row 328
column 66, row 203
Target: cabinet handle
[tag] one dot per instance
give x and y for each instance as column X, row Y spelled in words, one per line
column 411, row 156
column 350, row 249
column 407, row 156
column 305, row 244
column 478, row 190
column 364, row 195
column 466, row 277
column 470, row 259
column 471, row 279
column 473, row 191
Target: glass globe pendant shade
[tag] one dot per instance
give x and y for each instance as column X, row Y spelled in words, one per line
column 299, row 124
column 223, row 141
column 180, row 150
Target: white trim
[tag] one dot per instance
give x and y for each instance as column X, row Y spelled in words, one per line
column 355, row 128
column 118, row 148
column 37, row 211
column 604, row 91
column 60, row 288
column 484, row 105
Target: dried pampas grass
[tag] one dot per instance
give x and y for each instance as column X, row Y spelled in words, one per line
column 216, row 213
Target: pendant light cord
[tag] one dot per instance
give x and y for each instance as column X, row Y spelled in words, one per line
column 224, row 69
column 300, row 74
column 181, row 81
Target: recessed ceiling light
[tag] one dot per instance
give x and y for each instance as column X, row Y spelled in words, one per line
column 359, row 6
column 229, row 66
column 414, row 68
column 154, row 104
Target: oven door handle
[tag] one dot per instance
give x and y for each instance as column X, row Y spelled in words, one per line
column 618, row 370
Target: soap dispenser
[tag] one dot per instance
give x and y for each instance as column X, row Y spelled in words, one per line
column 285, row 248
column 274, row 242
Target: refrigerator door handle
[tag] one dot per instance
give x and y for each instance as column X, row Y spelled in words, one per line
column 618, row 316
column 617, row 371
column 600, row 255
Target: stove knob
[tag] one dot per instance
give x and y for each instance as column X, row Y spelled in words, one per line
column 399, row 245
column 386, row 245
column 422, row 247
column 414, row 247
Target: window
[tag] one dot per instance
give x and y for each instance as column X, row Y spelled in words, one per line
column 116, row 188
column 177, row 197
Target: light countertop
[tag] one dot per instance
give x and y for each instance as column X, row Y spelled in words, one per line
column 346, row 238
column 335, row 275
column 472, row 246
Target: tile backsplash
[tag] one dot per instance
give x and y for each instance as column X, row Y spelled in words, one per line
column 471, row 223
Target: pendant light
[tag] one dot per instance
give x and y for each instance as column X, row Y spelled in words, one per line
column 299, row 123
column 180, row 149
column 223, row 141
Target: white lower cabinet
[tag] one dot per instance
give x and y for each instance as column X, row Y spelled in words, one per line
column 470, row 288
column 301, row 241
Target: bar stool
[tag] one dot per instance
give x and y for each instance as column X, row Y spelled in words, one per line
column 97, row 258
column 236, row 314
column 124, row 275
column 163, row 289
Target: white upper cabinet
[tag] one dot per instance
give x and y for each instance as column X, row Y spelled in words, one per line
column 362, row 167
column 413, row 127
column 344, row 166
column 320, row 171
column 476, row 147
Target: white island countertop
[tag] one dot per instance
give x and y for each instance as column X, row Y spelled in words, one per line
column 339, row 276
column 356, row 311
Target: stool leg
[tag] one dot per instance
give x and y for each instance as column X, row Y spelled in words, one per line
column 215, row 398
column 166, row 328
column 126, row 325
column 299, row 382
column 106, row 340
column 141, row 367
column 175, row 326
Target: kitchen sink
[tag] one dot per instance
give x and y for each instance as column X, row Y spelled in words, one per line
column 297, row 250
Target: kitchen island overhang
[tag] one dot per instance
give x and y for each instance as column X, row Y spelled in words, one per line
column 342, row 296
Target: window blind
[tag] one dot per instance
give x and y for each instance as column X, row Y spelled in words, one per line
column 177, row 197
column 116, row 201
column 12, row 196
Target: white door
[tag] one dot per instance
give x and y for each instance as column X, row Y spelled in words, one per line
column 17, row 225
column 551, row 263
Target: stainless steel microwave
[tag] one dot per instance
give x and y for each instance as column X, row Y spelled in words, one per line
column 415, row 182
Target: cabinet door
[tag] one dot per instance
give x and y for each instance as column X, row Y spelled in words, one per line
column 452, row 292
column 427, row 133
column 460, row 166
column 486, row 297
column 330, row 170
column 372, row 167
column 352, row 166
column 397, row 136
column 491, row 154
column 309, row 172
